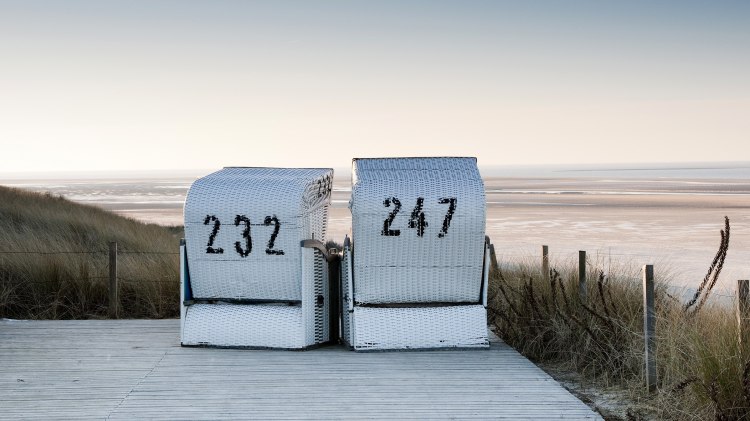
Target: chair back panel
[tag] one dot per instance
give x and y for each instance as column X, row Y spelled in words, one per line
column 244, row 226
column 418, row 227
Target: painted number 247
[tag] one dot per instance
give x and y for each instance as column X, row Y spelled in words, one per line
column 417, row 220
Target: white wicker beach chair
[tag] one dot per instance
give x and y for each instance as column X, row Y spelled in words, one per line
column 247, row 278
column 418, row 278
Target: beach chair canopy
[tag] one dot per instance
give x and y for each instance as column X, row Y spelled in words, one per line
column 244, row 226
column 418, row 227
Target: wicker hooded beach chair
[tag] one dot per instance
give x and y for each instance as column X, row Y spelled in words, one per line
column 415, row 273
column 246, row 279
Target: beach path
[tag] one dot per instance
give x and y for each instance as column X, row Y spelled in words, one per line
column 136, row 369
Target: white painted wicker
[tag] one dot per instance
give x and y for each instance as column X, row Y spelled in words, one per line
column 219, row 209
column 419, row 224
column 462, row 326
column 272, row 325
column 417, row 278
column 347, row 302
column 416, row 327
column 231, row 325
column 256, row 287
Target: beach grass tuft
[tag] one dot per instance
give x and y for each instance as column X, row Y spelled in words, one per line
column 54, row 261
column 703, row 372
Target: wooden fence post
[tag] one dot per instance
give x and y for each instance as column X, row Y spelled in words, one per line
column 493, row 259
column 545, row 263
column 743, row 312
column 649, row 327
column 582, row 291
column 114, row 303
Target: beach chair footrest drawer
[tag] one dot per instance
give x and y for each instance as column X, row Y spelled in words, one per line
column 377, row 328
column 247, row 326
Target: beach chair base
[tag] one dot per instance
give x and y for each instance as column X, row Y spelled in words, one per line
column 411, row 327
column 380, row 329
column 285, row 325
column 247, row 326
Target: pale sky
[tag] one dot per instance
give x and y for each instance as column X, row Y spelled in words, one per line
column 141, row 85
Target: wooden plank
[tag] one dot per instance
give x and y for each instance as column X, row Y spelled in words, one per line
column 135, row 369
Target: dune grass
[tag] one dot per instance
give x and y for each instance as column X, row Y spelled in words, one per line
column 702, row 371
column 54, row 261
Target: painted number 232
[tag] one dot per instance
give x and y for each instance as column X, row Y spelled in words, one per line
column 243, row 249
column 417, row 220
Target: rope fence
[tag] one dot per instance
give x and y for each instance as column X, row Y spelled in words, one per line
column 52, row 252
column 173, row 280
column 87, row 252
column 101, row 267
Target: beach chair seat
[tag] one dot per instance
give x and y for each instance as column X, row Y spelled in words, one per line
column 414, row 274
column 247, row 280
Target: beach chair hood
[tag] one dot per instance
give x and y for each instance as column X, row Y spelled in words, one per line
column 244, row 227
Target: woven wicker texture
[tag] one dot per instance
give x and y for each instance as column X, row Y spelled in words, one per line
column 316, row 300
column 418, row 327
column 346, row 297
column 243, row 228
column 462, row 326
column 264, row 325
column 418, row 225
column 271, row 326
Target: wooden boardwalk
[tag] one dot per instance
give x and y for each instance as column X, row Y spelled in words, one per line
column 136, row 369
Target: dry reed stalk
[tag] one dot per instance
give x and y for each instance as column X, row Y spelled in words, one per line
column 545, row 303
column 631, row 416
column 612, row 301
column 672, row 297
column 563, row 293
column 708, row 274
column 679, row 387
column 506, row 319
column 553, row 290
column 532, row 300
column 712, row 389
column 600, row 287
column 564, row 318
column 717, row 262
column 507, row 298
column 723, row 250
column 548, row 308
column 588, row 330
column 604, row 320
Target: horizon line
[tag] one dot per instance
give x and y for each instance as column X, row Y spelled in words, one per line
column 564, row 167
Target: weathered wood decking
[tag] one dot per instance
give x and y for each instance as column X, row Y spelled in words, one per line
column 135, row 369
